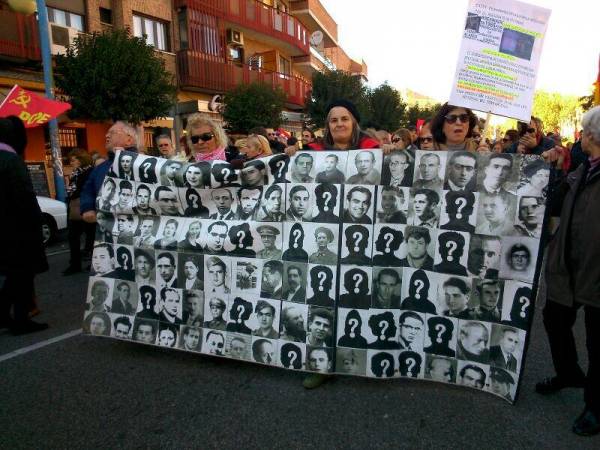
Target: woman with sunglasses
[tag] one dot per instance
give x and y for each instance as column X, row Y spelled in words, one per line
column 206, row 139
column 452, row 128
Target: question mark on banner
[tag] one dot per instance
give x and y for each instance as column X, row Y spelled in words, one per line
column 419, row 285
column 353, row 324
column 385, row 365
column 293, row 357
column 388, row 238
column 241, row 310
column 358, row 279
column 322, row 276
column 225, row 172
column 441, row 329
column 125, row 259
column 525, row 304
column 410, row 364
column 296, row 233
column 147, row 165
column 148, row 297
column 194, row 200
column 384, row 324
column 460, row 203
column 358, row 237
column 280, row 166
column 241, row 235
column 451, row 246
column 327, row 196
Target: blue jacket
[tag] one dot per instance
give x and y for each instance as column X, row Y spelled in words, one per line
column 545, row 144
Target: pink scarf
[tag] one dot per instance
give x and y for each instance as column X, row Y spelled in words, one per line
column 217, row 154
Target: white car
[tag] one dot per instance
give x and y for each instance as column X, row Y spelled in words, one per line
column 54, row 215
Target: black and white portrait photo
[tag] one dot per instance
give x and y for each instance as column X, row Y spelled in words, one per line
column 535, row 176
column 214, row 343
column 242, row 240
column 487, row 300
column 530, row 217
column 193, row 308
column 319, row 359
column 294, row 322
column 107, row 197
column 382, row 330
column 387, row 288
column 122, row 327
column 270, row 242
column 397, row 170
column 223, row 174
column 364, row 167
column 168, row 234
column 125, row 298
column 124, row 164
column 125, row 196
column 167, row 334
column 190, row 338
column 99, row 294
column 420, row 247
column 473, row 341
column 292, row 355
column 472, row 375
column 294, row 282
column 358, row 205
column 519, row 256
column 238, row 346
column 410, row 364
column 495, row 214
column 484, row 256
column 240, row 311
column 196, row 175
column 190, row 271
column 424, row 207
column 146, row 232
column 97, row 324
column 351, row 361
column 145, row 331
column 167, row 201
column 300, row 201
column 294, row 241
column 217, row 275
column 171, row 173
column 506, row 347
column 429, row 170
column 170, row 305
column 321, row 323
column 221, row 204
column 272, row 205
column 271, row 285
column 264, row 350
column 497, row 174
column 327, row 203
column 215, row 311
column 461, row 172
column 144, row 201
column 254, row 173
column 517, row 304
column 323, row 246
column 278, row 167
column 454, row 295
column 439, row 368
column 331, row 167
column 246, row 276
column 248, row 200
column 392, row 204
column 302, row 168
column 166, row 269
column 194, row 202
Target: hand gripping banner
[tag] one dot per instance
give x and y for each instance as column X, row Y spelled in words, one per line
column 416, row 264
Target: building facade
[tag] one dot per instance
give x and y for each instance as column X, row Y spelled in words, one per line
column 210, row 46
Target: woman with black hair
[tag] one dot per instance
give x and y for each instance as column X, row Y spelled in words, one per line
column 452, row 128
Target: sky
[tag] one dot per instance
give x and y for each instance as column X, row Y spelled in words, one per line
column 415, row 44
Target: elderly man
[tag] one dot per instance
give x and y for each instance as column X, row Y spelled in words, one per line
column 292, row 324
column 365, row 167
column 120, row 135
column 573, row 277
column 165, row 146
column 473, row 342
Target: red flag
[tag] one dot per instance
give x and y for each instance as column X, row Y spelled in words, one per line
column 33, row 109
column 420, row 123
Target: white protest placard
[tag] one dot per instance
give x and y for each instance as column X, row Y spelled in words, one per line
column 499, row 57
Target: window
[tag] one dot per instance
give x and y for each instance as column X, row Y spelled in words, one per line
column 153, row 31
column 236, row 55
column 285, row 66
column 105, row 15
column 183, row 29
column 65, row 18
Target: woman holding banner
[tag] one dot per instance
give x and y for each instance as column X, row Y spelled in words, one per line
column 452, row 128
column 206, row 139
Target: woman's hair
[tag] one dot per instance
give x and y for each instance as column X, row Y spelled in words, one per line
column 437, row 123
column 356, row 133
column 82, row 156
column 533, row 167
column 261, row 142
column 12, row 132
column 197, row 120
column 404, row 134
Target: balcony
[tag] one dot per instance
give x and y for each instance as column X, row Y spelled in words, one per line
column 252, row 16
column 19, row 36
column 315, row 16
column 212, row 74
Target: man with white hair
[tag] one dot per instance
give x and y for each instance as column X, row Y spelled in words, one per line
column 119, row 136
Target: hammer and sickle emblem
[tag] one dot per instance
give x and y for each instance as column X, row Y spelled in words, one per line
column 21, row 100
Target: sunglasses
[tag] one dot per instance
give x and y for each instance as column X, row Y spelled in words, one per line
column 396, row 140
column 205, row 137
column 504, row 139
column 426, row 139
column 452, row 118
column 530, row 130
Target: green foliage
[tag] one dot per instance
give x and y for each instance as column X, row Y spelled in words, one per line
column 416, row 112
column 253, row 105
column 116, row 76
column 555, row 109
column 334, row 85
column 386, row 108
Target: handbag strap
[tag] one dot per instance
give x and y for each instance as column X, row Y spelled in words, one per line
column 7, row 148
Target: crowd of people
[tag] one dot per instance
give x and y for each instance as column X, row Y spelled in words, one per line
column 573, row 277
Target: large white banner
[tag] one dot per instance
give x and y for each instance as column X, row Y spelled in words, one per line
column 416, row 264
column 499, row 57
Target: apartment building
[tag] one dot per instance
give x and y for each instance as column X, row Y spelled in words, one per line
column 210, row 46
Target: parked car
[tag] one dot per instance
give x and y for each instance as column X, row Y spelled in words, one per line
column 54, row 217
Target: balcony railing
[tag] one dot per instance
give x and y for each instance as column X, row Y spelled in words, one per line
column 211, row 73
column 19, row 35
column 254, row 15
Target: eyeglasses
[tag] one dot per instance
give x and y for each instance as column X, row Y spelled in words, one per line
column 204, row 137
column 530, row 130
column 504, row 139
column 426, row 139
column 396, row 140
column 452, row 118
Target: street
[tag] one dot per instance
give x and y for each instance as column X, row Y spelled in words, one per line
column 84, row 392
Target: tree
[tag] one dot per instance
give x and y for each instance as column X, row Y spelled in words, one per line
column 253, row 105
column 334, row 85
column 386, row 108
column 555, row 110
column 416, row 112
column 116, row 76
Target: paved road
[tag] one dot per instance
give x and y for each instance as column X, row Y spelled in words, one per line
column 85, row 392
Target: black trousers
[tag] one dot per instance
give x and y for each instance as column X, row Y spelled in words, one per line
column 559, row 321
column 17, row 292
column 76, row 229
